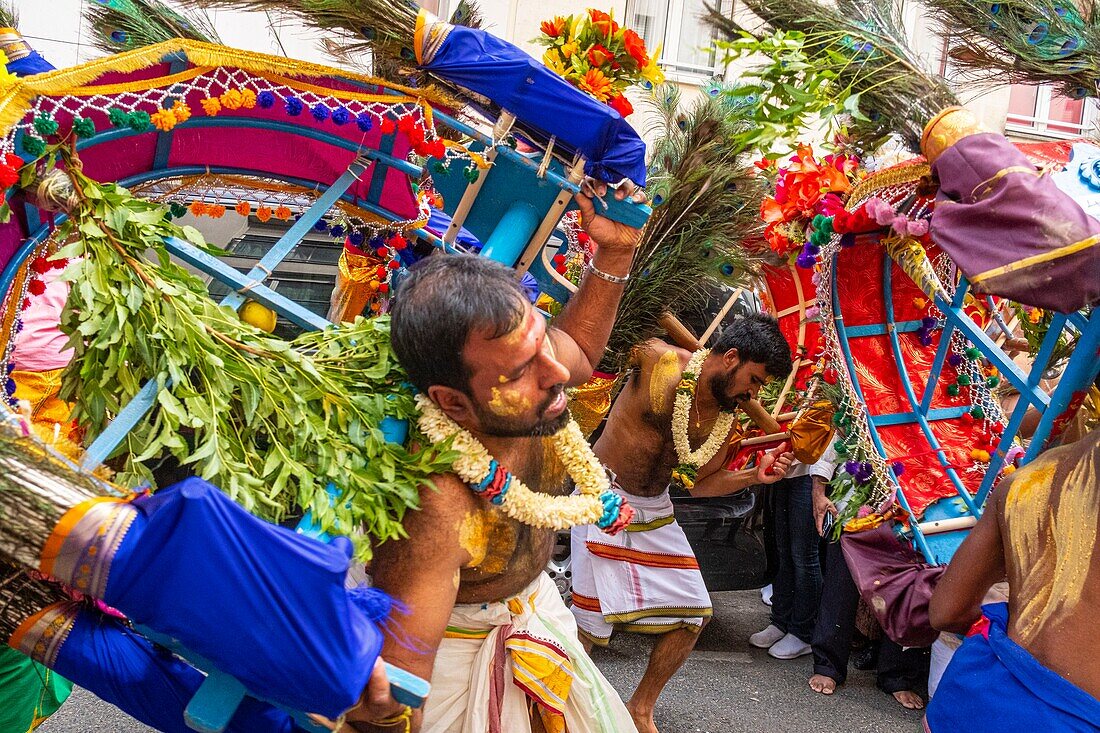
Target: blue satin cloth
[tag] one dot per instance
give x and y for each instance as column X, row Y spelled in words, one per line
column 121, row 667
column 262, row 603
column 29, row 65
column 994, row 685
column 491, row 67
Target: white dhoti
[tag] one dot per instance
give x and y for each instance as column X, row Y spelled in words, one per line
column 645, row 579
column 499, row 663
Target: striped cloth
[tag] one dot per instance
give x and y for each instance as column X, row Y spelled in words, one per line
column 645, row 579
column 500, row 663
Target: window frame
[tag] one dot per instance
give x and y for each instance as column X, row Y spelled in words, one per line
column 670, row 45
column 1039, row 124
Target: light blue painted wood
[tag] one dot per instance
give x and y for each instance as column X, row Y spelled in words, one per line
column 904, row 418
column 512, row 234
column 227, row 275
column 296, row 233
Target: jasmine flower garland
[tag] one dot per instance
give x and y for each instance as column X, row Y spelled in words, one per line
column 595, row 503
column 691, row 461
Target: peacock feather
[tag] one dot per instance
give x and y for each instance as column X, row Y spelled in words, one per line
column 1025, row 41
column 705, row 205
column 863, row 44
column 123, row 25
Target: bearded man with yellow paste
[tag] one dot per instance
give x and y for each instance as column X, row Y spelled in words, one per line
column 484, row 622
column 647, row 579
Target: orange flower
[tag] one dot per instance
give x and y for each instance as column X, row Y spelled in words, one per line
column 243, row 208
column 198, row 208
column 603, row 22
column 554, row 27
column 248, row 98
column 181, row 111
column 596, row 84
column 163, row 120
column 621, row 105
column 598, row 55
column 217, row 211
column 282, row 213
column 263, row 213
column 635, row 46
column 211, row 106
column 232, row 99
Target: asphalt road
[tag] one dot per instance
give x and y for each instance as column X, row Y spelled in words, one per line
column 725, row 686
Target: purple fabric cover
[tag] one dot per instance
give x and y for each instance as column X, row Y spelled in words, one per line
column 894, row 581
column 993, row 211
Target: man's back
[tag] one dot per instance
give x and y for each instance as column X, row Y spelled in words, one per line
column 1050, row 521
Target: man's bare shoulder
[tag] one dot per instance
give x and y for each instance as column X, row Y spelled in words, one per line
column 432, row 530
column 648, row 353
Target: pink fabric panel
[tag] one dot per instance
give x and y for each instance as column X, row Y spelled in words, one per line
column 40, row 346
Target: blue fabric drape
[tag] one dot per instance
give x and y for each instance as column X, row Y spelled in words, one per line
column 264, row 604
column 121, row 667
column 483, row 63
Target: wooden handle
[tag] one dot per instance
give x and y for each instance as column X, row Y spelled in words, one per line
column 748, row 442
column 680, row 333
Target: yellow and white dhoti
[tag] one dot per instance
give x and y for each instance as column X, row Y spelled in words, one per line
column 644, row 579
column 499, row 663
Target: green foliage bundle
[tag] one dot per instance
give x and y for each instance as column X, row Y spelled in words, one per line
column 822, row 61
column 123, row 25
column 271, row 422
column 1025, row 41
column 707, row 203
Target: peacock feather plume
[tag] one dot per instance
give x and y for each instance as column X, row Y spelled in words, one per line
column 705, row 205
column 123, row 25
column 381, row 28
column 9, row 14
column 1025, row 41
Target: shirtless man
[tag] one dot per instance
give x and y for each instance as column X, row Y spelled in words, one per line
column 647, row 579
column 483, row 621
column 1036, row 667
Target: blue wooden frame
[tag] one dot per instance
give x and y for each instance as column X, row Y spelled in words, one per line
column 1081, row 369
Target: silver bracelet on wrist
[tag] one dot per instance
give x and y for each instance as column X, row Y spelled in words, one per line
column 614, row 279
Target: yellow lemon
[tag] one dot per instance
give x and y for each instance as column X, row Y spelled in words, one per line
column 255, row 314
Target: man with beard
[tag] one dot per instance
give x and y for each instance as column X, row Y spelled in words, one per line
column 481, row 619
column 647, row 579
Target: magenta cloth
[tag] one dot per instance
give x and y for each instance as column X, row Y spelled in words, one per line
column 993, row 210
column 40, row 346
column 894, row 581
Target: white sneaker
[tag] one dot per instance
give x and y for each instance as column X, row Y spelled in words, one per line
column 767, row 637
column 789, row 647
column 766, row 594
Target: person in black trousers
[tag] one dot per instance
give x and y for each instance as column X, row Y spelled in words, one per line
column 901, row 672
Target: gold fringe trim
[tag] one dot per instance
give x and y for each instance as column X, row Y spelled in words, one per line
column 896, row 176
column 15, row 99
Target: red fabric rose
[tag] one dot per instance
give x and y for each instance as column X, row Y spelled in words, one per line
column 635, row 46
column 599, row 55
column 621, row 105
column 603, row 22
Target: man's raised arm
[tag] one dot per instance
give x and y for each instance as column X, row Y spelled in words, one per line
column 580, row 332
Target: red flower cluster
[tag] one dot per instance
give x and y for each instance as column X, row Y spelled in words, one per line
column 416, row 132
column 603, row 22
column 9, row 170
column 802, row 189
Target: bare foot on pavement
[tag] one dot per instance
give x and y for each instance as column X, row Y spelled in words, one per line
column 643, row 720
column 909, row 699
column 823, row 684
